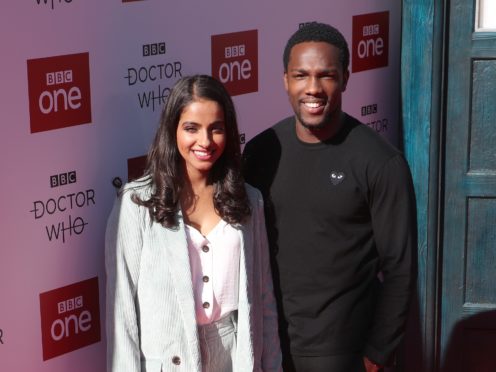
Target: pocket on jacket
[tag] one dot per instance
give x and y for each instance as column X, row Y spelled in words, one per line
column 151, row 365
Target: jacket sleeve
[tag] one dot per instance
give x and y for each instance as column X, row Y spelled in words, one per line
column 393, row 212
column 123, row 242
column 271, row 354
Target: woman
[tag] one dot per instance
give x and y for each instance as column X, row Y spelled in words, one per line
column 188, row 278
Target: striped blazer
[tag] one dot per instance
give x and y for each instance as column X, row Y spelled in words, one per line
column 150, row 313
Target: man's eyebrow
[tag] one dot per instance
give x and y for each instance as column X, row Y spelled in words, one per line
column 298, row 70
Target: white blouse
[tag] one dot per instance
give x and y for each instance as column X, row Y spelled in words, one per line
column 214, row 261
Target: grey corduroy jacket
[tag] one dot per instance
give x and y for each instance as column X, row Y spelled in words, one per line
column 150, row 312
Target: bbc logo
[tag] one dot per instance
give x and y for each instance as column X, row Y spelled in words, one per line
column 369, row 110
column 370, row 30
column 62, row 179
column 303, row 24
column 153, row 49
column 70, row 304
column 234, row 51
column 59, row 77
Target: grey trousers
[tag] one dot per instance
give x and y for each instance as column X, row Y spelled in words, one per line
column 218, row 344
column 334, row 363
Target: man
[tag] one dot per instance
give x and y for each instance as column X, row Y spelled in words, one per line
column 340, row 215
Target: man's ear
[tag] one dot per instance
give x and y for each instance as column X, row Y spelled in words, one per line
column 346, row 76
column 286, row 81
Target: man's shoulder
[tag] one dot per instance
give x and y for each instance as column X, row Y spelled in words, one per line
column 276, row 132
column 369, row 140
column 262, row 153
column 284, row 125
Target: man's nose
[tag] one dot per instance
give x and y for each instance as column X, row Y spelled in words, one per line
column 314, row 86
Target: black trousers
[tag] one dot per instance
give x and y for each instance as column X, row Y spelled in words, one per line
column 332, row 363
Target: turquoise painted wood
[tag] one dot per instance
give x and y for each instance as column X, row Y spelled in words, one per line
column 468, row 290
column 449, row 132
column 421, row 107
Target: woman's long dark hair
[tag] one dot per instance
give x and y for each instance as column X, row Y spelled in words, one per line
column 164, row 163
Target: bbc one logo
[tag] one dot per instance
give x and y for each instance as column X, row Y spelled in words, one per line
column 370, row 41
column 235, row 61
column 136, row 167
column 59, row 92
column 70, row 318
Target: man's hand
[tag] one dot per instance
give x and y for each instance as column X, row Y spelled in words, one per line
column 371, row 366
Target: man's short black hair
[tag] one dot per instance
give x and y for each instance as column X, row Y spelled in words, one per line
column 315, row 31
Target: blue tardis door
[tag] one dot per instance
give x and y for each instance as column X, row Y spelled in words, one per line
column 468, row 263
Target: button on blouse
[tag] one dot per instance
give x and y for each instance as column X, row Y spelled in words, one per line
column 214, row 261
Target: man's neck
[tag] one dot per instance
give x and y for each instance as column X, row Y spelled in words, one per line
column 316, row 135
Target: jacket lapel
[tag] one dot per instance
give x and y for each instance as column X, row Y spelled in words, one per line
column 244, row 352
column 175, row 245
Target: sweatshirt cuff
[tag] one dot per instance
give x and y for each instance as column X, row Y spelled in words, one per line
column 376, row 356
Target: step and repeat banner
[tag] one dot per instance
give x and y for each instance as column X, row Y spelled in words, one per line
column 83, row 82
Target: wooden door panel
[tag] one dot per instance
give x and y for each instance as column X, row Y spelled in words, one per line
column 480, row 273
column 482, row 152
column 468, row 290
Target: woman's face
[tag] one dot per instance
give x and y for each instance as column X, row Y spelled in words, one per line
column 201, row 136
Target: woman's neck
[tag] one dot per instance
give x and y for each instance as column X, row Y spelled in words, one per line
column 197, row 204
column 196, row 184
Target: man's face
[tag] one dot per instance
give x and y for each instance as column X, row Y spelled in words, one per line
column 315, row 81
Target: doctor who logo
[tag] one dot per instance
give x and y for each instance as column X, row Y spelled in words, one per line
column 70, row 318
column 152, row 81
column 59, row 92
column 53, row 3
column 64, row 205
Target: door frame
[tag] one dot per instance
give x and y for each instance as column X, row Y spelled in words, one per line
column 423, row 56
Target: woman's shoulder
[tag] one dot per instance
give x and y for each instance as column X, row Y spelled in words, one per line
column 141, row 187
column 254, row 195
column 252, row 192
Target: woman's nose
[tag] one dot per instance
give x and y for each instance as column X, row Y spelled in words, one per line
column 204, row 139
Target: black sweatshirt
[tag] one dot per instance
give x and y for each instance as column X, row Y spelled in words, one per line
column 338, row 213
